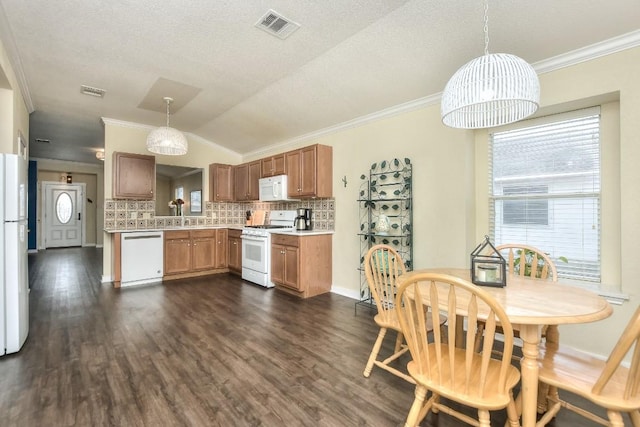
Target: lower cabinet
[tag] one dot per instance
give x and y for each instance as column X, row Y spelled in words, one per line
column 194, row 252
column 177, row 252
column 301, row 265
column 222, row 249
column 235, row 251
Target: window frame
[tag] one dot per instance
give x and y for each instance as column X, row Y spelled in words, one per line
column 496, row 212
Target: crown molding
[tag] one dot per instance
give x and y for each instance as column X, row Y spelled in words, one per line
column 65, row 163
column 597, row 50
column 587, row 53
column 14, row 59
column 406, row 107
column 125, row 124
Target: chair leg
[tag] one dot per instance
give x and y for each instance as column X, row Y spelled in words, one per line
column 483, row 418
column 399, row 340
column 543, row 392
column 513, row 419
column 635, row 418
column 615, row 418
column 374, row 352
column 414, row 413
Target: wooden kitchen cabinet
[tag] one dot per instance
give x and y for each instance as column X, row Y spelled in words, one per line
column 189, row 253
column 203, row 249
column 235, row 251
column 284, row 265
column 220, row 182
column 246, row 178
column 310, row 171
column 134, row 176
column 177, row 252
column 301, row 265
column 222, row 248
column 272, row 166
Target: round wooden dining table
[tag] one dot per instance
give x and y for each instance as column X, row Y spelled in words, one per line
column 531, row 304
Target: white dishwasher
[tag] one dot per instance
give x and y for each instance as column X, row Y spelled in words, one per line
column 141, row 257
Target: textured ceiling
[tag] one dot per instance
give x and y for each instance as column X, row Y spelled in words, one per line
column 249, row 89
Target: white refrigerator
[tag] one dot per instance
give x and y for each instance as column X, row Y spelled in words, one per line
column 14, row 276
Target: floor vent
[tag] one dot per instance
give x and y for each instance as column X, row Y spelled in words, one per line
column 277, row 25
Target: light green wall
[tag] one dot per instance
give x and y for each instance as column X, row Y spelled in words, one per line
column 131, row 138
column 450, row 183
column 450, row 170
column 13, row 109
column 90, row 174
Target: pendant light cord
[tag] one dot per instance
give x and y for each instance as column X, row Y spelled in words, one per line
column 486, row 27
column 168, row 102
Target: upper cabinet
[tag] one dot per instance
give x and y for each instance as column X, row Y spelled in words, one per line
column 134, row 176
column 246, row 178
column 220, row 182
column 310, row 171
column 272, row 166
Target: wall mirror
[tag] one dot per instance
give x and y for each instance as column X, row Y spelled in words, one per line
column 170, row 181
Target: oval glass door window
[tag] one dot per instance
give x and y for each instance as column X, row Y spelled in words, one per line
column 64, row 208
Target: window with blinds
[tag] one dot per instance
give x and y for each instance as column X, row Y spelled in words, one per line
column 545, row 190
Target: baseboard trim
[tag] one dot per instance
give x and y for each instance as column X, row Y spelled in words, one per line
column 346, row 292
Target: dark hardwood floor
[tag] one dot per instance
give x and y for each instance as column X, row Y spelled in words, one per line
column 212, row 351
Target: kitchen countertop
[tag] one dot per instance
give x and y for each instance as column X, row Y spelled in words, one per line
column 233, row 227
column 200, row 227
column 302, row 232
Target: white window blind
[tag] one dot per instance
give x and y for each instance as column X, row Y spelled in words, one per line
column 545, row 190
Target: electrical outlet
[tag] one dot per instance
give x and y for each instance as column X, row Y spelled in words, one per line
column 214, row 215
column 134, row 215
column 146, row 215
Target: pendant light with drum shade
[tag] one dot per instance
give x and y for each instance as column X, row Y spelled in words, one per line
column 167, row 140
column 492, row 90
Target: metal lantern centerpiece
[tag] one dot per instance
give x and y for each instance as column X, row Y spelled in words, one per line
column 488, row 267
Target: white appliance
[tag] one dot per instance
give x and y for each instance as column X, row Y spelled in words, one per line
column 256, row 247
column 14, row 276
column 273, row 188
column 141, row 257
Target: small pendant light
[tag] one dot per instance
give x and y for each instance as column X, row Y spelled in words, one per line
column 167, row 140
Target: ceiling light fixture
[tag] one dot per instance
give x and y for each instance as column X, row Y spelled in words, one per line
column 100, row 155
column 167, row 140
column 492, row 90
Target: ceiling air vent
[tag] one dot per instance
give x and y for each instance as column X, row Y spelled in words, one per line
column 92, row 91
column 275, row 24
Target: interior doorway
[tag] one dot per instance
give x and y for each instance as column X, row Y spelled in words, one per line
column 63, row 214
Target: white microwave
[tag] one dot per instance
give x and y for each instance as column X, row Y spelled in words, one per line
column 273, row 188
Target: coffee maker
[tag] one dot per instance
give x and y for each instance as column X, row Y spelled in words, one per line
column 303, row 219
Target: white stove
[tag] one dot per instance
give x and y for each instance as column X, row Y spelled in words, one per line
column 256, row 247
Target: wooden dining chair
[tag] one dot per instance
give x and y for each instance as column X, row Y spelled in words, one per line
column 456, row 373
column 528, row 261
column 607, row 383
column 382, row 266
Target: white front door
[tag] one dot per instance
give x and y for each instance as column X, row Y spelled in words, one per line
column 63, row 214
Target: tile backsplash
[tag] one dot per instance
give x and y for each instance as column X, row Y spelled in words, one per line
column 140, row 214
